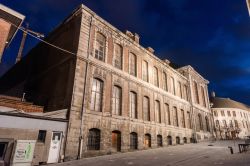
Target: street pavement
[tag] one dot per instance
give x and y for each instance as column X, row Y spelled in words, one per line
column 200, row 154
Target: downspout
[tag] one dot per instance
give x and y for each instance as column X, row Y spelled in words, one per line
column 84, row 93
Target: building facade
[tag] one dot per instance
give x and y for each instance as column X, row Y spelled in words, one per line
column 120, row 96
column 231, row 118
column 10, row 21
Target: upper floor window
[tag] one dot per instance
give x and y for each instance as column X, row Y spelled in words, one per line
column 179, row 89
column 185, row 92
column 146, row 108
column 224, row 123
column 196, row 92
column 172, row 85
column 200, row 123
column 215, row 113
column 228, row 113
column 145, row 71
column 189, row 120
column 204, row 96
column 168, row 114
column 117, row 59
column 217, row 123
column 96, row 95
column 234, row 113
column 175, row 116
column 165, row 81
column 207, row 124
column 155, row 76
column 183, row 119
column 132, row 64
column 133, row 104
column 236, row 123
column 222, row 113
column 117, row 100
column 100, row 44
column 157, row 111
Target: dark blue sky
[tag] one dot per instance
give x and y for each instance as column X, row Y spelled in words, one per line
column 211, row 35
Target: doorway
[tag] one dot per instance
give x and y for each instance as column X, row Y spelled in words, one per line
column 55, row 146
column 116, row 141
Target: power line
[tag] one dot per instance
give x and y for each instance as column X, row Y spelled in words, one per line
column 50, row 44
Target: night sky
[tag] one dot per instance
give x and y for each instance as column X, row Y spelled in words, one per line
column 213, row 36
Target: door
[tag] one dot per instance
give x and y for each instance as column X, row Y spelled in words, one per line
column 55, row 145
column 116, row 141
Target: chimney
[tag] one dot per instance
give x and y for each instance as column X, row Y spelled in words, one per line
column 150, row 49
column 136, row 38
column 213, row 94
column 166, row 61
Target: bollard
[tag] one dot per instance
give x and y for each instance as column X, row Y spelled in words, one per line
column 231, row 150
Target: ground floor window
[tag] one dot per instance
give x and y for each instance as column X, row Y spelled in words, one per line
column 133, row 140
column 94, row 139
column 185, row 140
column 177, row 140
column 169, row 139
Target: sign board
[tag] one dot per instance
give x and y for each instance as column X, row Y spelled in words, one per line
column 24, row 152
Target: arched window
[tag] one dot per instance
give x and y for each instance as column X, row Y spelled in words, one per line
column 159, row 140
column 145, row 71
column 117, row 59
column 100, row 45
column 165, row 81
column 146, row 108
column 96, row 95
column 132, row 64
column 147, row 140
column 133, row 141
column 207, row 124
column 167, row 114
column 183, row 119
column 175, row 116
column 94, row 139
column 157, row 111
column 169, row 140
column 184, row 140
column 117, row 100
column 133, row 104
column 178, row 141
column 156, row 77
column 200, row 123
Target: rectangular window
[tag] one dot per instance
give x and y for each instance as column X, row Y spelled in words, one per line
column 96, row 95
column 133, row 105
column 117, row 60
column 222, row 113
column 175, row 116
column 204, row 96
column 215, row 113
column 183, row 119
column 100, row 47
column 185, row 92
column 117, row 100
column 165, row 81
column 41, row 136
column 168, row 114
column 172, row 85
column 196, row 92
column 189, row 120
column 145, row 71
column 156, row 78
column 146, row 108
column 228, row 113
column 132, row 64
column 179, row 89
column 157, row 111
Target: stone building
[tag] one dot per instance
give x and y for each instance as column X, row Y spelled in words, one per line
column 120, row 96
column 231, row 118
column 10, row 20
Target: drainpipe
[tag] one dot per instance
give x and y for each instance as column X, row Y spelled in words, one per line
column 84, row 93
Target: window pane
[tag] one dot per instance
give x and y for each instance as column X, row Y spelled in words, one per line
column 117, row 100
column 100, row 46
column 96, row 95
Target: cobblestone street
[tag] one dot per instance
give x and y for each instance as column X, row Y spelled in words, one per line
column 187, row 155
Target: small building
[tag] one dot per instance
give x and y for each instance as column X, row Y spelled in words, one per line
column 10, row 21
column 231, row 118
column 23, row 121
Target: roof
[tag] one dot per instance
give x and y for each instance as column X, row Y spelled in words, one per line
column 219, row 102
column 13, row 18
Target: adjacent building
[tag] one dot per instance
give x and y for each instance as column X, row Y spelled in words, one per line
column 119, row 95
column 231, row 118
column 10, row 21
